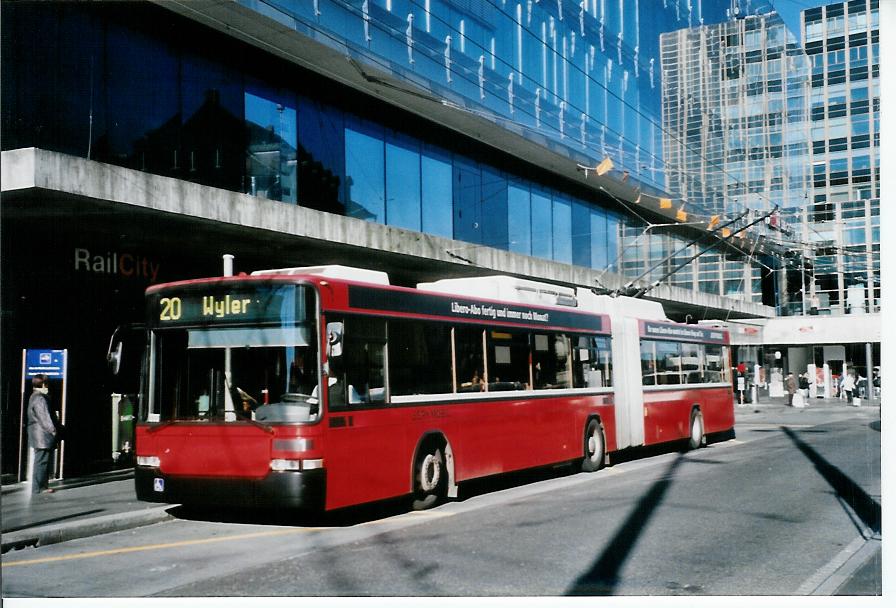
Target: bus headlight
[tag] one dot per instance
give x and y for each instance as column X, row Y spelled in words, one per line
column 148, row 461
column 285, row 464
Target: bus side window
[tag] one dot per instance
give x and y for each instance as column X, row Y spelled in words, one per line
column 692, row 363
column 508, row 360
column 593, row 367
column 359, row 372
column 714, row 363
column 648, row 363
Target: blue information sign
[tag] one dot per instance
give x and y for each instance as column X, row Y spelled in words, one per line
column 50, row 362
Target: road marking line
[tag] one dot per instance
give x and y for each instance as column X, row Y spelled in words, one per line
column 185, row 543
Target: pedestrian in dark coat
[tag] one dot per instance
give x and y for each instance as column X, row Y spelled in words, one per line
column 42, row 433
column 790, row 386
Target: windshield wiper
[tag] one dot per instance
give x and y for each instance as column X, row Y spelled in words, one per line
column 159, row 427
column 265, row 427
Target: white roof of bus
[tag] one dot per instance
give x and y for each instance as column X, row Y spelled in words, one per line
column 501, row 287
column 333, row 271
column 622, row 306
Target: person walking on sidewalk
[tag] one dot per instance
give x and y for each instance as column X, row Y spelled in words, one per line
column 848, row 386
column 42, row 433
column 790, row 385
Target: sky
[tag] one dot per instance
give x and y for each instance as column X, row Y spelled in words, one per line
column 790, row 12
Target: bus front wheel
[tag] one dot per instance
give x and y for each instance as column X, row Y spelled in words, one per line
column 697, row 436
column 430, row 477
column 595, row 449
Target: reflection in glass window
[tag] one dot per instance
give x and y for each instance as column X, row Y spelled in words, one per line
column 542, row 246
column 508, row 360
column 435, row 169
column 551, row 361
column 360, row 370
column 271, row 151
column 419, row 358
column 494, row 208
column 519, row 222
column 692, row 359
column 364, row 176
column 715, row 364
column 562, row 229
column 599, row 248
column 403, row 184
column 648, row 362
column 668, row 362
column 592, row 362
column 469, row 362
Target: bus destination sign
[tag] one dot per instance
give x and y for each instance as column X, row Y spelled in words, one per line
column 685, row 333
column 234, row 305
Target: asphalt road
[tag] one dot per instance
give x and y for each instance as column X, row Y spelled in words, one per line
column 776, row 511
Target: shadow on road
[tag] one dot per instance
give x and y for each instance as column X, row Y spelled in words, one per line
column 603, row 576
column 54, row 520
column 847, row 490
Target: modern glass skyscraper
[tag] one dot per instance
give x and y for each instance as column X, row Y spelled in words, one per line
column 735, row 110
column 841, row 223
column 735, row 126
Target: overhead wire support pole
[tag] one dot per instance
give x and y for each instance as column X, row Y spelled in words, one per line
column 640, row 292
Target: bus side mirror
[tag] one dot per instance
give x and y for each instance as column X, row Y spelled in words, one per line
column 334, row 339
column 113, row 356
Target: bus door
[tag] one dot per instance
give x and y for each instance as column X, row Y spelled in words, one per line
column 365, row 455
column 627, row 383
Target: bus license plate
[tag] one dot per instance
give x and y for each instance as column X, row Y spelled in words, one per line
column 158, row 484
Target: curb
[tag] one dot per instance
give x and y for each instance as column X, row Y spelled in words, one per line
column 59, row 533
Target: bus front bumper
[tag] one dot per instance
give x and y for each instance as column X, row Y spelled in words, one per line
column 287, row 489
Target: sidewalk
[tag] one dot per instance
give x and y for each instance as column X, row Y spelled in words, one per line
column 808, row 403
column 79, row 507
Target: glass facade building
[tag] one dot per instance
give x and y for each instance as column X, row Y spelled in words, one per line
column 735, row 125
column 147, row 89
column 841, row 224
column 735, row 107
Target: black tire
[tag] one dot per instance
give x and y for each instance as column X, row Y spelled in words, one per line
column 430, row 477
column 697, row 433
column 594, row 447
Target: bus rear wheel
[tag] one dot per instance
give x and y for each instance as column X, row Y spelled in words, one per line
column 430, row 477
column 696, row 438
column 594, row 447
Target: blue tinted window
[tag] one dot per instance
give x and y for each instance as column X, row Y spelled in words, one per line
column 562, row 229
column 519, row 219
column 142, row 98
column 364, row 173
column 403, row 183
column 321, row 156
column 435, row 168
column 494, row 209
column 541, row 225
column 614, row 222
column 598, row 222
column 213, row 131
column 467, row 201
column 581, row 234
column 271, row 152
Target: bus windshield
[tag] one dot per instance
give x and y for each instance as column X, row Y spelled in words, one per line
column 224, row 371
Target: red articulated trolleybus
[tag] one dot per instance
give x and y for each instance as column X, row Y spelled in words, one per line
column 423, row 388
